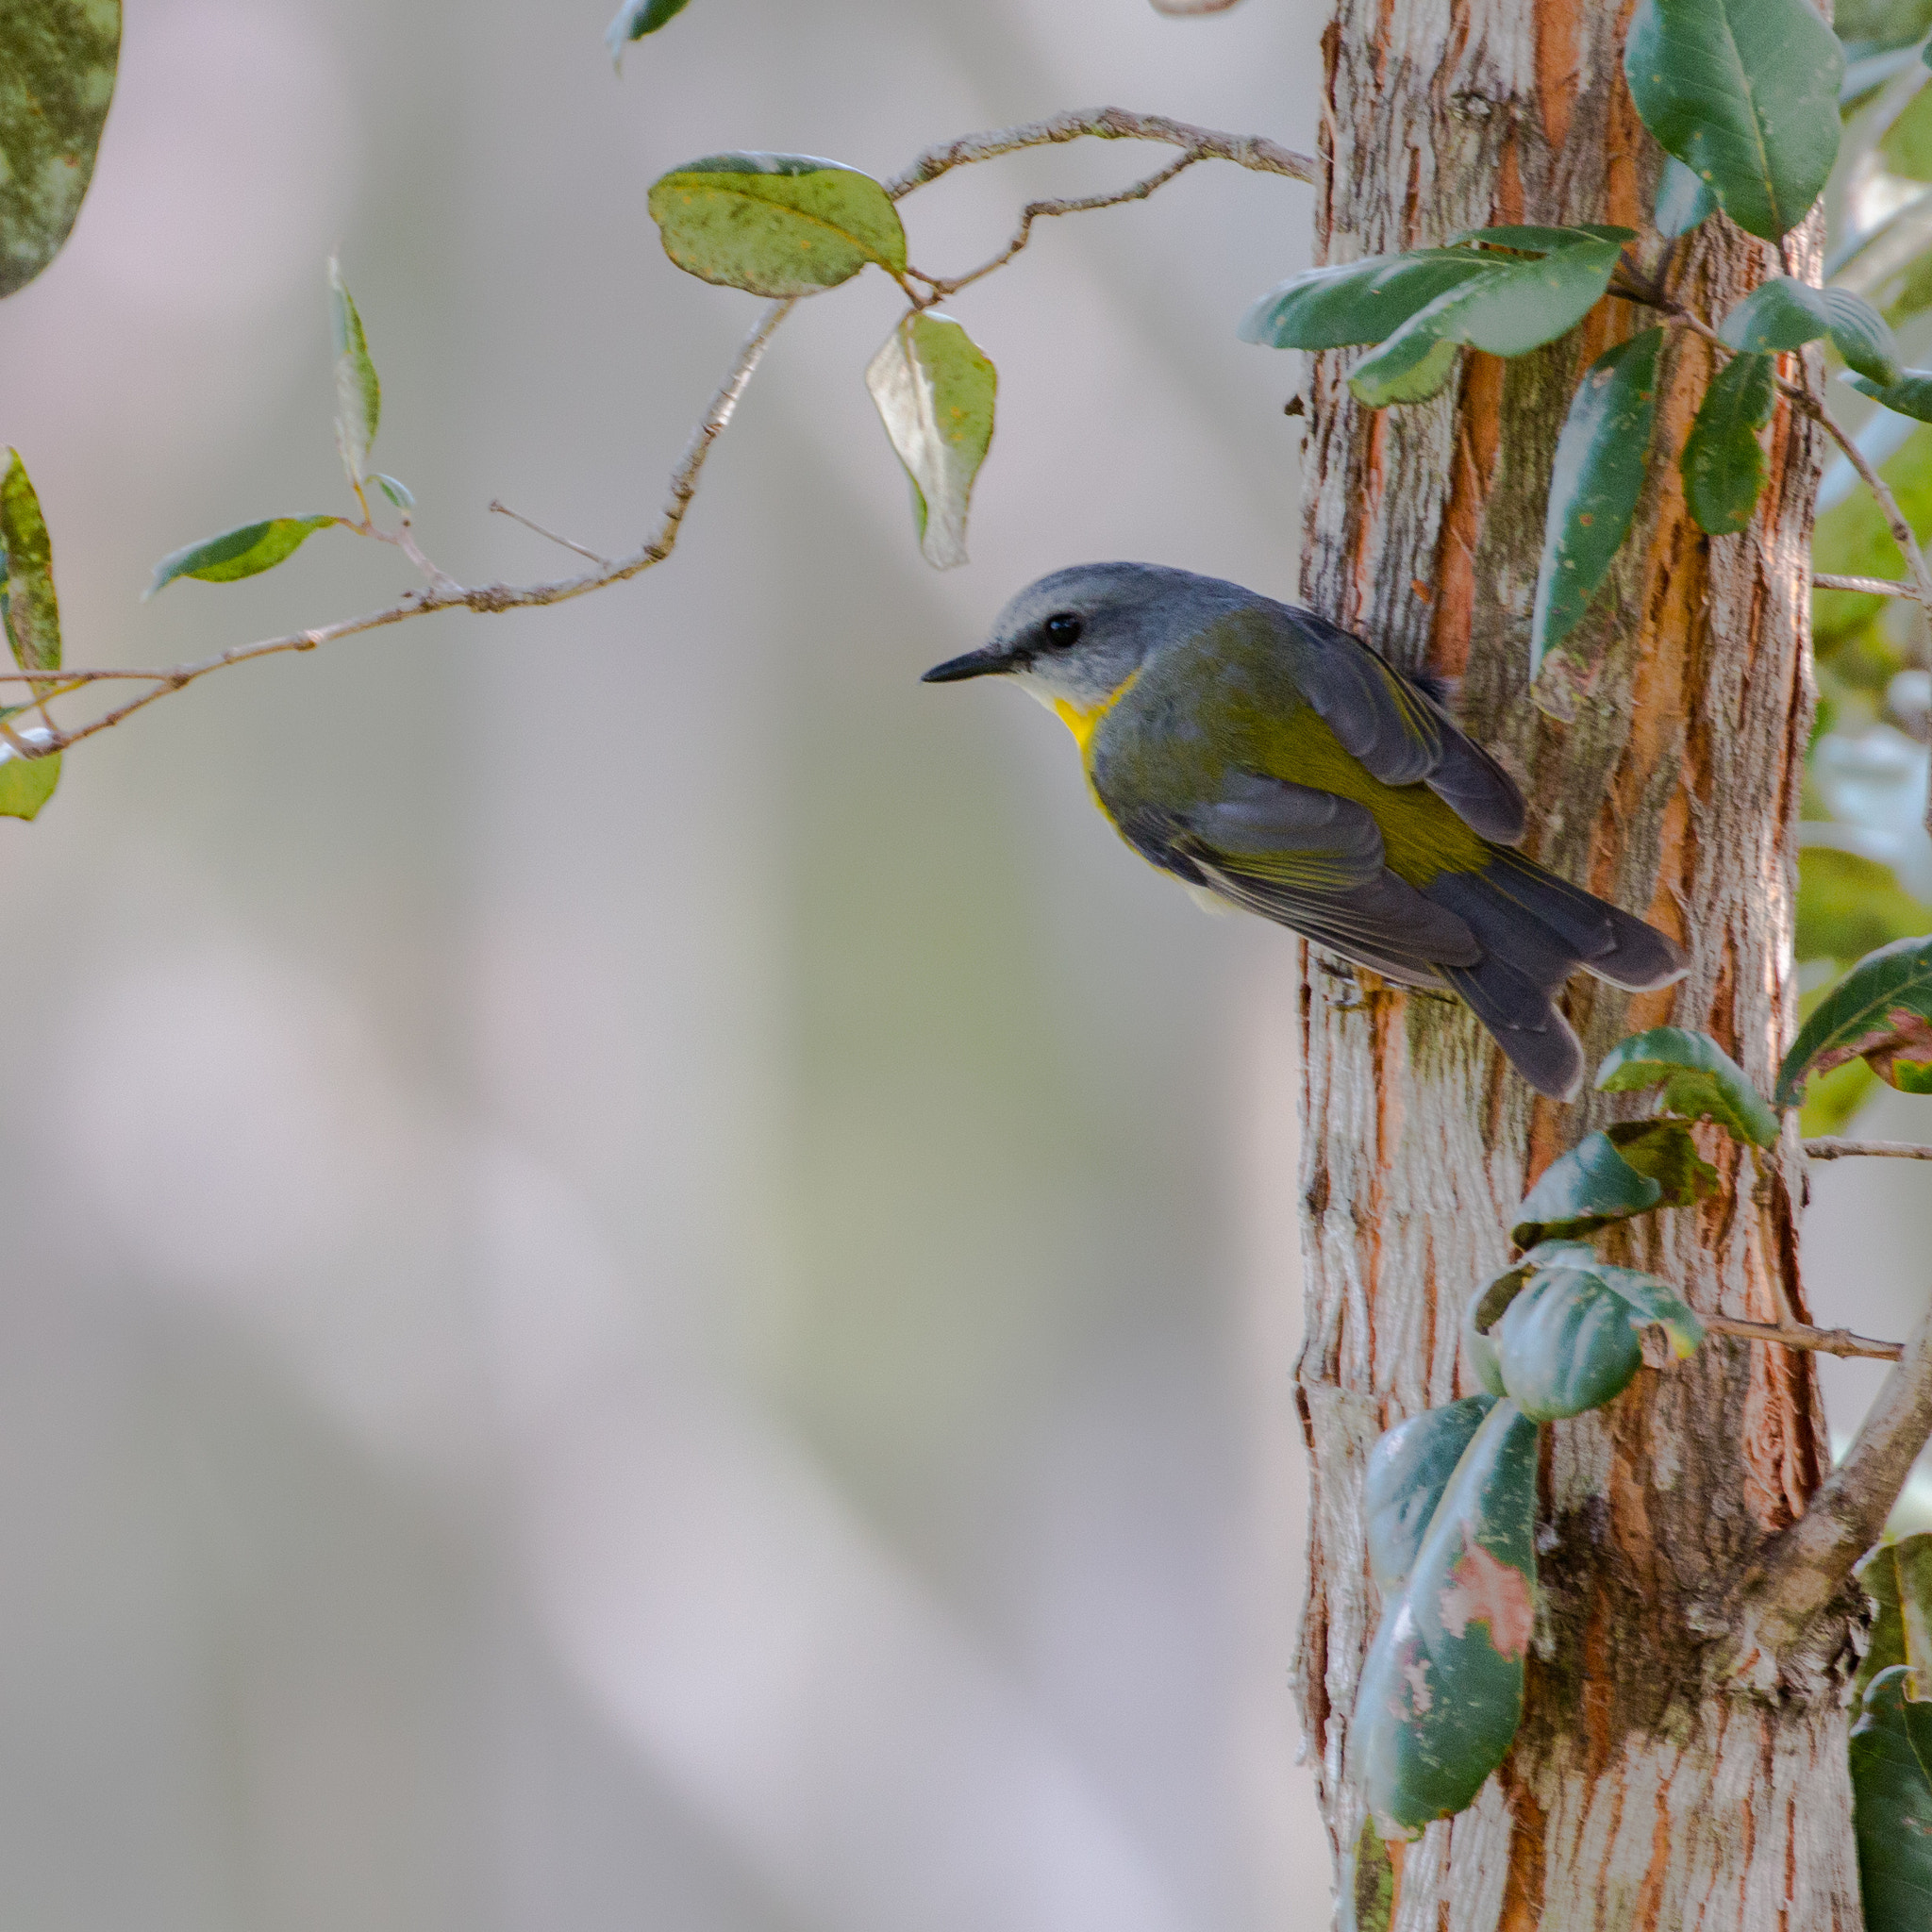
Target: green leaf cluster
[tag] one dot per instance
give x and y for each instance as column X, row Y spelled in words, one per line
column 1880, row 1012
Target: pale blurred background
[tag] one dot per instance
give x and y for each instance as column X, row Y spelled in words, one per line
column 649, row 1283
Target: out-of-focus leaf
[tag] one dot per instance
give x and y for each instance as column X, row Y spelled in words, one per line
column 245, row 552
column 1786, row 313
column 1910, row 395
column 1441, row 1689
column 398, row 492
column 1744, row 93
column 1897, row 1575
column 1882, row 1007
column 1682, row 200
column 1906, row 146
column 27, row 783
column 1408, row 1469
column 358, row 393
column 633, row 20
column 1849, row 906
column 1892, row 1804
column 1536, row 285
column 1724, row 463
column 56, row 82
column 1566, row 1345
column 1885, row 1647
column 1701, row 1081
column 28, row 605
column 935, row 392
column 775, row 224
column 1594, row 485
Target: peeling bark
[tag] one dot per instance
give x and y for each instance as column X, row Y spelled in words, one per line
column 1662, row 753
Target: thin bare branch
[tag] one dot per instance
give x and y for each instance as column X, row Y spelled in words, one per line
column 1182, row 10
column 1800, row 1570
column 503, row 510
column 1037, row 211
column 445, row 594
column 1835, row 1147
column 1796, row 1334
column 1107, row 124
column 1870, row 587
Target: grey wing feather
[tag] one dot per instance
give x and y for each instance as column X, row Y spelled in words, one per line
column 1274, row 824
column 1400, row 730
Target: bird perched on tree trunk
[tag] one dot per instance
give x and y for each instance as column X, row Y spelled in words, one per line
column 1263, row 753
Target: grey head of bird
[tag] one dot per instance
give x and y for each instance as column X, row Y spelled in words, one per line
column 1075, row 637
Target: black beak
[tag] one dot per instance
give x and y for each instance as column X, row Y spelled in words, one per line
column 988, row 661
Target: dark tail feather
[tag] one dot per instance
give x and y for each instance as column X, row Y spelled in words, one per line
column 1535, row 930
column 1525, row 1024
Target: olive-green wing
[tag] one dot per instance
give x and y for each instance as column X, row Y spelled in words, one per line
column 1397, row 729
column 1310, row 860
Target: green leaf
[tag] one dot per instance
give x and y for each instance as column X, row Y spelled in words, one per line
column 1744, row 93
column 1585, row 1188
column 1594, row 485
column 56, row 83
column 633, row 20
column 1408, row 1469
column 1786, row 313
column 1357, row 301
column 1665, row 1150
column 398, row 493
column 245, row 552
column 1723, row 461
column 1682, row 200
column 1881, row 1005
column 1884, row 1646
column 1910, row 395
column 1892, row 1804
column 935, row 391
column 1897, row 1575
column 28, row 605
column 358, row 393
column 1654, row 1303
column 1441, row 1689
column 1848, row 906
column 1529, row 289
column 1701, row 1081
column 776, row 225
column 1566, row 1345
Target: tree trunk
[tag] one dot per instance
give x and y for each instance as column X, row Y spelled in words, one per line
column 1662, row 760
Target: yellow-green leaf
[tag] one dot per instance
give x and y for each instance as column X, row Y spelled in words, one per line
column 935, row 392
column 28, row 603
column 358, row 393
column 775, row 224
column 245, row 552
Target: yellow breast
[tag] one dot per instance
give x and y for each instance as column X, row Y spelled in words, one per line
column 1084, row 723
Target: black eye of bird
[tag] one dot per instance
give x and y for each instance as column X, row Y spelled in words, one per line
column 1061, row 629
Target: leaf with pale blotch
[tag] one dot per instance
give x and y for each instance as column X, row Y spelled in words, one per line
column 1890, row 1761
column 358, row 393
column 1701, row 1081
column 245, row 552
column 28, row 605
column 1408, row 1469
column 1440, row 1692
column 1723, row 464
column 633, row 20
column 1744, row 93
column 935, row 392
column 56, row 83
column 1682, row 200
column 1882, row 1007
column 775, row 224
column 1785, row 313
column 1594, row 485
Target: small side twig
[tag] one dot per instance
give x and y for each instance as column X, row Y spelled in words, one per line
column 1796, row 1334
column 1869, row 587
column 503, row 510
column 1835, row 1147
